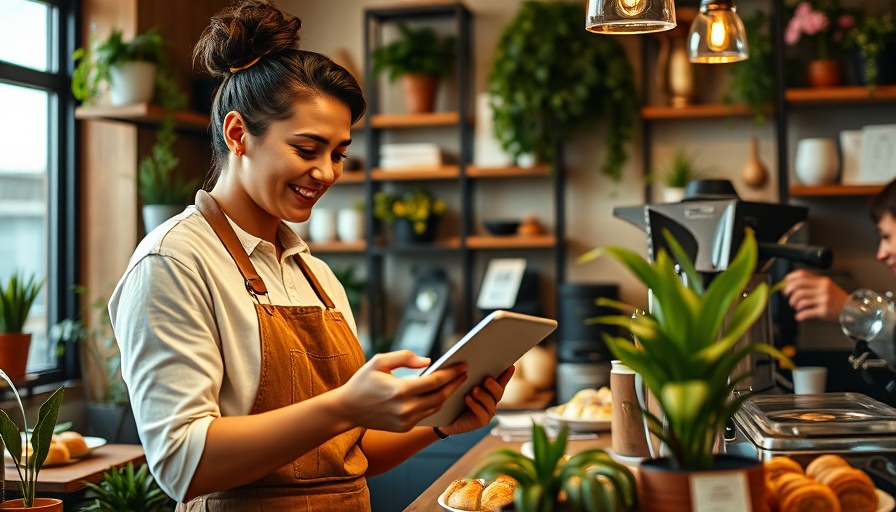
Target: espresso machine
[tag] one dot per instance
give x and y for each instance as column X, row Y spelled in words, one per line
column 709, row 224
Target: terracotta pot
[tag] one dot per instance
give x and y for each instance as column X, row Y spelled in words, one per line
column 420, row 92
column 14, row 348
column 43, row 504
column 662, row 488
column 825, row 73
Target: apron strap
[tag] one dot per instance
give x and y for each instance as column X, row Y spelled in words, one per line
column 318, row 289
column 218, row 221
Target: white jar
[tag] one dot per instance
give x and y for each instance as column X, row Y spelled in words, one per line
column 350, row 225
column 816, row 161
column 322, row 225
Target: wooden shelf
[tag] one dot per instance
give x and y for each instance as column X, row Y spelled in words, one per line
column 351, row 177
column 332, row 247
column 445, row 172
column 694, row 111
column 144, row 114
column 511, row 242
column 842, row 95
column 508, row 172
column 441, row 244
column 414, row 120
column 834, row 190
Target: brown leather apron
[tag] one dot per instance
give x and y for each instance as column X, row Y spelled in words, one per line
column 305, row 351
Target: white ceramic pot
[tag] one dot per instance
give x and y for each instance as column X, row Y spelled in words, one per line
column 322, row 225
column 673, row 194
column 350, row 225
column 816, row 161
column 132, row 82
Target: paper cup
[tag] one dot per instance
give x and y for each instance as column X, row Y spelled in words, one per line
column 809, row 380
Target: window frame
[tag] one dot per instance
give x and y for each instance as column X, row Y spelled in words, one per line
column 63, row 248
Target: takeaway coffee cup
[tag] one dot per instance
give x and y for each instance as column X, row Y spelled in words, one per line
column 809, row 380
column 629, row 438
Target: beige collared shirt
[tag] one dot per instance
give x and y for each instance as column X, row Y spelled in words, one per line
column 188, row 333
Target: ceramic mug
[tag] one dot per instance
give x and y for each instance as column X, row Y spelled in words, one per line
column 816, row 161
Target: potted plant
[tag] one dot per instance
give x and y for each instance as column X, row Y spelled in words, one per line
column 686, row 350
column 413, row 215
column 680, row 172
column 751, row 83
column 126, row 489
column 874, row 37
column 539, row 99
column 823, row 24
column 131, row 69
column 16, row 298
column 108, row 410
column 420, row 57
column 162, row 191
column 590, row 479
column 28, row 462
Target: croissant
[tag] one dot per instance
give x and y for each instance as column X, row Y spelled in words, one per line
column 823, row 463
column 853, row 488
column 777, row 466
column 811, row 497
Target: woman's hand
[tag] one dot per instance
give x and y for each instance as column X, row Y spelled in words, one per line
column 813, row 296
column 374, row 398
column 482, row 402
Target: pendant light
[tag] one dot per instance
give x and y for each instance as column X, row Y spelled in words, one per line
column 630, row 16
column 717, row 35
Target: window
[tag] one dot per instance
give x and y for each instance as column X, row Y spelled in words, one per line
column 37, row 221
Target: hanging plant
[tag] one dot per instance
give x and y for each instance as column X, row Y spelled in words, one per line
column 550, row 79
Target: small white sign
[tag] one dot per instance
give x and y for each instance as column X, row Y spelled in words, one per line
column 501, row 283
column 720, row 493
column 878, row 157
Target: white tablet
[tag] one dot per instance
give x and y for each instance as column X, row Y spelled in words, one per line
column 497, row 342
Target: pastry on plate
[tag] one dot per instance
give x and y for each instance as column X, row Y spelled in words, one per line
column 75, row 442
column 467, row 496
column 823, row 463
column 853, row 488
column 811, row 497
column 498, row 494
column 777, row 466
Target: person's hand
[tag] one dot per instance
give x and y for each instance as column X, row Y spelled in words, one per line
column 482, row 402
column 813, row 296
column 373, row 398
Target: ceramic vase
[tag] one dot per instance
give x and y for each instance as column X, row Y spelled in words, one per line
column 754, row 172
column 322, row 225
column 132, row 82
column 816, row 161
column 14, row 348
column 825, row 73
column 664, row 488
column 350, row 225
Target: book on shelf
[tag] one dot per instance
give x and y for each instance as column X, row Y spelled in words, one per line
column 412, row 155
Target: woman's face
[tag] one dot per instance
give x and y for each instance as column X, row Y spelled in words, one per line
column 288, row 169
column 886, row 250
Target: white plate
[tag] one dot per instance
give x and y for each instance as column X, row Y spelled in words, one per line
column 92, row 444
column 578, row 425
column 442, row 499
column 885, row 502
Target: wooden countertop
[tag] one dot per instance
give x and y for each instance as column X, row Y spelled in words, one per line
column 428, row 501
column 71, row 477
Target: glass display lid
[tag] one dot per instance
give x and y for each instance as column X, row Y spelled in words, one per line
column 822, row 415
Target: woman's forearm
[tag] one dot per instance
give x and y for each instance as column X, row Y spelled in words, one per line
column 385, row 450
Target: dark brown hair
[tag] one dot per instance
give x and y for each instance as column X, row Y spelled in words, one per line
column 883, row 202
column 266, row 90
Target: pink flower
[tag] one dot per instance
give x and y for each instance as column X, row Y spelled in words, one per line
column 846, row 21
column 792, row 32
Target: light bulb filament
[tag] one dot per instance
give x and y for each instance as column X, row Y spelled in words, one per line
column 631, row 8
column 718, row 34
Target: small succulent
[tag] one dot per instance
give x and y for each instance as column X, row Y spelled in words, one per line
column 126, row 489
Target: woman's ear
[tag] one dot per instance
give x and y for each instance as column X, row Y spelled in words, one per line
column 234, row 131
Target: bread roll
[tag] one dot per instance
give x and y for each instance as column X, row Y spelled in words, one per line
column 467, row 497
column 75, row 443
column 811, row 497
column 777, row 466
column 496, row 496
column 853, row 487
column 824, row 462
column 58, row 454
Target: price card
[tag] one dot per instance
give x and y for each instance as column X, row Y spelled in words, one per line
column 720, row 493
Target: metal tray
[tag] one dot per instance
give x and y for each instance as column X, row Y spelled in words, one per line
column 822, row 415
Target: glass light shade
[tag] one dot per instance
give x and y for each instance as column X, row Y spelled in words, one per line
column 717, row 35
column 630, row 16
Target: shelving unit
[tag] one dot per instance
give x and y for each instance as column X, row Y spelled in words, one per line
column 144, row 114
column 463, row 246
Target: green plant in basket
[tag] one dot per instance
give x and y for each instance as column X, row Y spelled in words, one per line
column 591, row 479
column 29, row 462
column 686, row 347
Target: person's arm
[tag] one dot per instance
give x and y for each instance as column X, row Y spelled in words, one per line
column 813, row 296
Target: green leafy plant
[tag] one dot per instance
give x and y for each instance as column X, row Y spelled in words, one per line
column 539, row 99
column 751, row 83
column 126, row 489
column 417, row 206
column 157, row 181
column 29, row 463
column 354, row 286
column 16, row 299
column 870, row 36
column 93, row 62
column 686, row 348
column 417, row 51
column 591, row 479
column 681, row 171
column 99, row 345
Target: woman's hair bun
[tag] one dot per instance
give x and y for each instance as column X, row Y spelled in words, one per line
column 239, row 34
